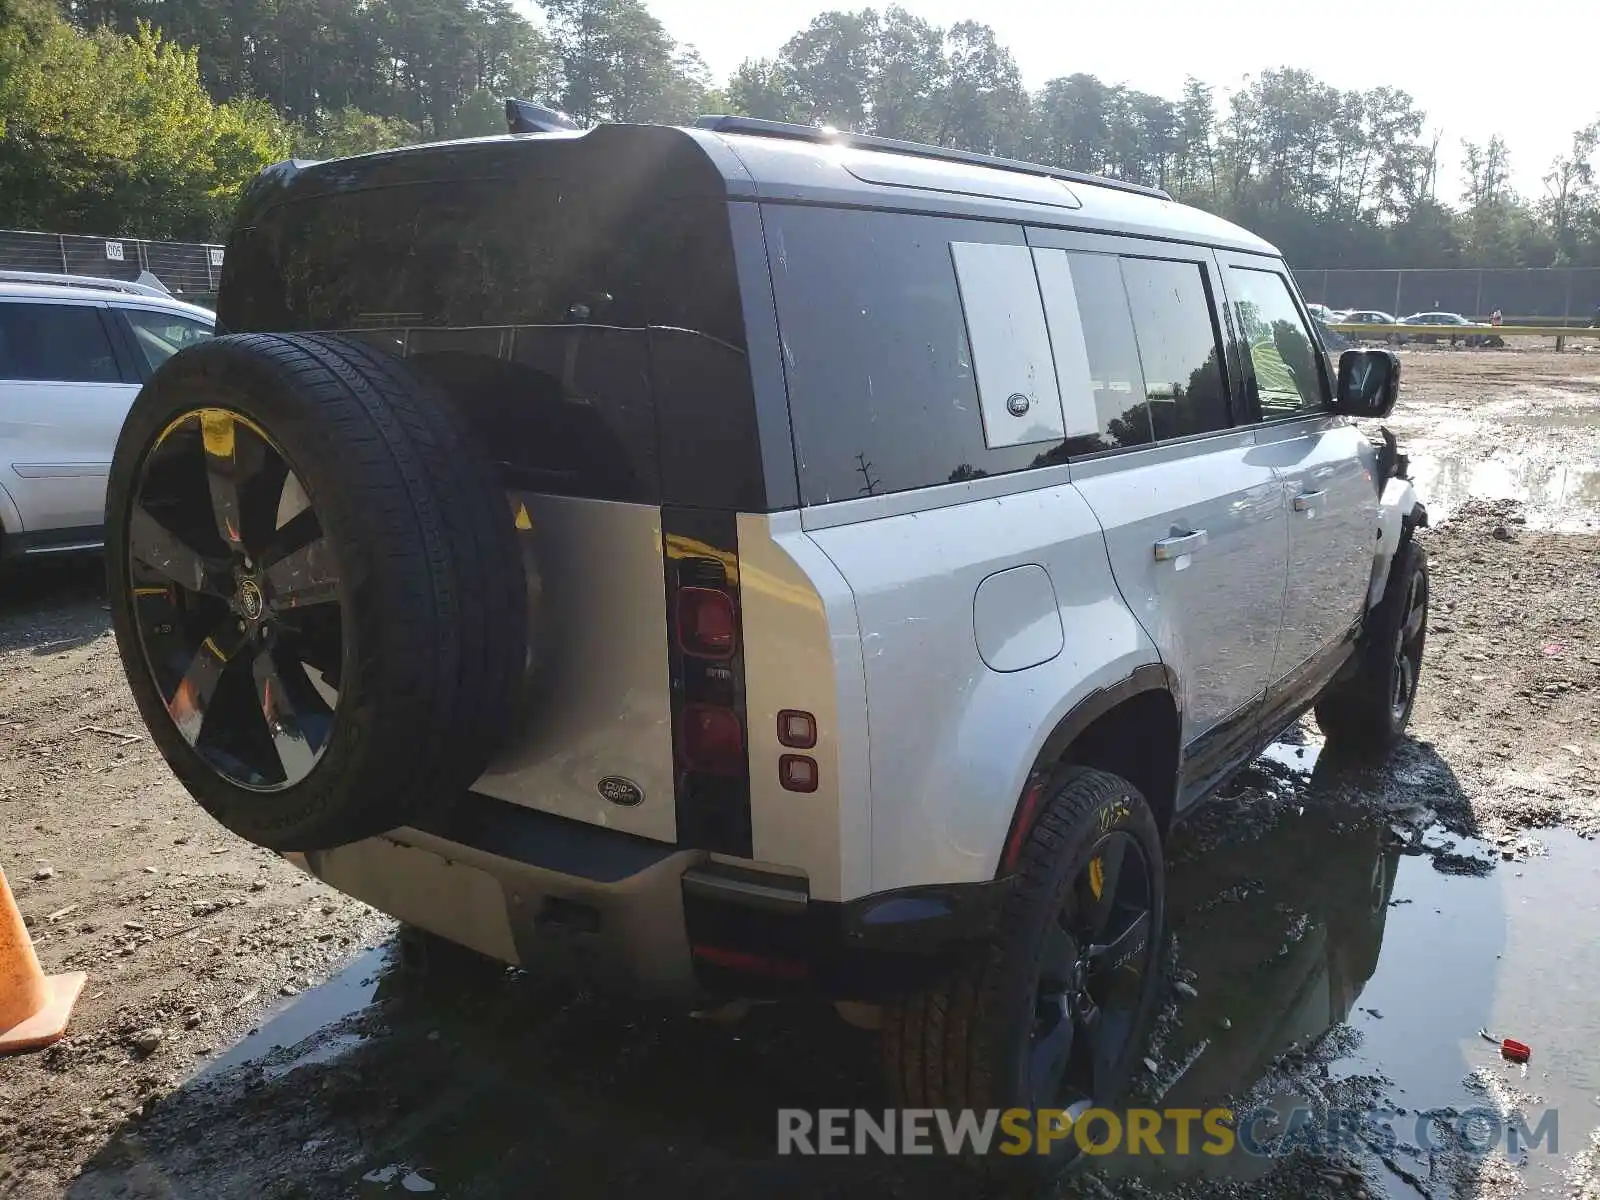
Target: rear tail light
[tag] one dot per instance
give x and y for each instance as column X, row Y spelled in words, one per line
column 712, row 740
column 707, row 624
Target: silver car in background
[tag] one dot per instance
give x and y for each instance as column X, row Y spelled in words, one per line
column 74, row 351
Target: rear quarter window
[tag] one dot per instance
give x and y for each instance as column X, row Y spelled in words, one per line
column 883, row 392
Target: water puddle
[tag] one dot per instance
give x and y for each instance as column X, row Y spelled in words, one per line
column 1300, row 759
column 1343, row 946
column 1559, row 491
column 1345, row 962
column 306, row 1028
column 1540, row 447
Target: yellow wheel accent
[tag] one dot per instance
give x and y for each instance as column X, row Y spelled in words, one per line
column 216, row 430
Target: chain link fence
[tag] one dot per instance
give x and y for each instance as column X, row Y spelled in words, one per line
column 189, row 270
column 1525, row 296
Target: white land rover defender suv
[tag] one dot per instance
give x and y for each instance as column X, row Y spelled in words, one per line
column 746, row 560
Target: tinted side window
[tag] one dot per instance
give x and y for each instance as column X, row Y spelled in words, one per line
column 1283, row 379
column 882, row 391
column 1097, row 357
column 160, row 335
column 1178, row 346
column 64, row 343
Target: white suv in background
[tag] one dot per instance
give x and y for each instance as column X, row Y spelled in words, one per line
column 74, row 351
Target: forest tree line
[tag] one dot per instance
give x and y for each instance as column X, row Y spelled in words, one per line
column 145, row 117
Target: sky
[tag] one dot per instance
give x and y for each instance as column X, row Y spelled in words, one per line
column 1527, row 72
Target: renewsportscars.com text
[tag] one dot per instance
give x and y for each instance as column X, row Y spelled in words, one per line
column 1259, row 1133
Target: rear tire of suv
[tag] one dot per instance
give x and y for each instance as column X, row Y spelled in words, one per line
column 315, row 586
column 1368, row 713
column 1053, row 1013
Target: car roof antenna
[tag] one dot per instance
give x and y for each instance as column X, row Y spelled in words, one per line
column 524, row 116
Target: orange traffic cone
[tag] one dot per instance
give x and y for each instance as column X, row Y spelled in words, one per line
column 34, row 1008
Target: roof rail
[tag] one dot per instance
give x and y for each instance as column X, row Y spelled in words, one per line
column 866, row 141
column 83, row 281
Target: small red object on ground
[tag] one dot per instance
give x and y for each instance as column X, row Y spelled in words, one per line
column 1517, row 1052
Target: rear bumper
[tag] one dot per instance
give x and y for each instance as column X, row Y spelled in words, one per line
column 558, row 896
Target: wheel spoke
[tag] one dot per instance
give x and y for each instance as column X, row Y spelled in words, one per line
column 191, row 700
column 1122, row 948
column 305, row 577
column 295, row 753
column 1414, row 621
column 152, row 543
column 1059, row 957
column 294, row 534
column 236, row 461
column 1048, row 1058
column 1094, row 1053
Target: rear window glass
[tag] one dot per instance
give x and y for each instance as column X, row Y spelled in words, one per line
column 882, row 389
column 477, row 252
column 581, row 325
column 60, row 343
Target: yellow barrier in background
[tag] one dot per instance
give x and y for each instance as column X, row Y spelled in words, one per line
column 1412, row 332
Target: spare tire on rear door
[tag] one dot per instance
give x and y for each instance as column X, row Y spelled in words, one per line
column 315, row 586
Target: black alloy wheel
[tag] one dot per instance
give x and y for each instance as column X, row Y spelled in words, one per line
column 1097, row 953
column 1051, row 1013
column 237, row 599
column 1409, row 647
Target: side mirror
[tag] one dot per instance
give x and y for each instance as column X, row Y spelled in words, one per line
column 1369, row 383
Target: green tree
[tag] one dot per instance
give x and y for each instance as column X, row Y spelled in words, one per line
column 1572, row 203
column 982, row 106
column 829, row 66
column 115, row 134
column 347, row 131
column 619, row 64
column 762, row 87
column 910, row 74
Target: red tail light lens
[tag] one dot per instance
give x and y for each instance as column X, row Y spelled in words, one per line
column 712, row 740
column 707, row 625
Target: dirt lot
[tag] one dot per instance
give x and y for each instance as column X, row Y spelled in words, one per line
column 1340, row 934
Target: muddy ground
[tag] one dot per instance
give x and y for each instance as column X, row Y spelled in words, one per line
column 1340, row 934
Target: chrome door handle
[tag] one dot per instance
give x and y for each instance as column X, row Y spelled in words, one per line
column 1179, row 544
column 1306, row 501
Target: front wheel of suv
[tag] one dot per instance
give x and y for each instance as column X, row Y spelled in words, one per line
column 1052, row 1014
column 1368, row 713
